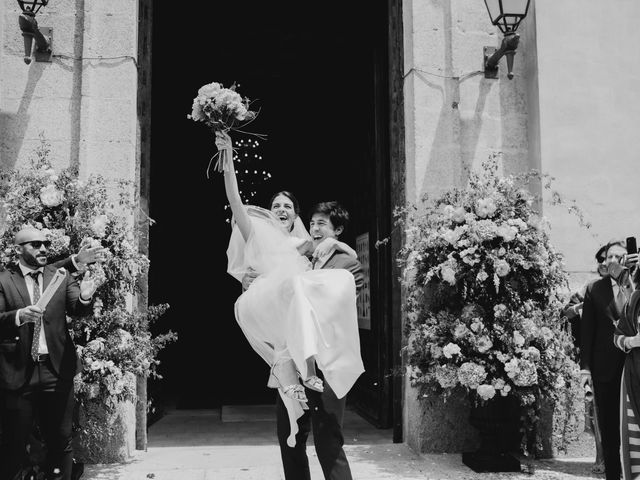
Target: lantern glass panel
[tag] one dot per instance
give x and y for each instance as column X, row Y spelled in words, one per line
column 495, row 9
column 515, row 7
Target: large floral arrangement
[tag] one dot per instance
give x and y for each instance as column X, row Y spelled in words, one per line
column 113, row 343
column 485, row 292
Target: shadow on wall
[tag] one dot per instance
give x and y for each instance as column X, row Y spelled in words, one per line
column 14, row 125
column 455, row 139
column 470, row 131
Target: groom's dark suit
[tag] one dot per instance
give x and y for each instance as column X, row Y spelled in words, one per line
column 44, row 386
column 325, row 414
column 599, row 355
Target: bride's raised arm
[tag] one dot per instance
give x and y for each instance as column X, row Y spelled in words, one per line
column 240, row 215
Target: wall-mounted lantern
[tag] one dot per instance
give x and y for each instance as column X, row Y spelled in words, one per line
column 506, row 15
column 30, row 31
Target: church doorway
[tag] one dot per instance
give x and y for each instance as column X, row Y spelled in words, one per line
column 318, row 72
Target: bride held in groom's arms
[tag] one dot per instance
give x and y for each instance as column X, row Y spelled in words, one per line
column 293, row 316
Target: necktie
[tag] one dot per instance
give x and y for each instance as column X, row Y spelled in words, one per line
column 621, row 299
column 38, row 324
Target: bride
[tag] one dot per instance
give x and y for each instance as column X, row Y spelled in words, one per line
column 293, row 316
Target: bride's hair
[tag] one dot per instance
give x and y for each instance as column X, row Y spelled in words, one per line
column 290, row 196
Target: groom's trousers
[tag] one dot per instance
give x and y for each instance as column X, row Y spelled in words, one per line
column 325, row 416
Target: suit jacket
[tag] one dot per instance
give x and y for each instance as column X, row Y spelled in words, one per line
column 65, row 263
column 599, row 316
column 16, row 363
column 343, row 260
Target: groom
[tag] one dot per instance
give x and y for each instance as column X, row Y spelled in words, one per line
column 326, row 410
column 37, row 356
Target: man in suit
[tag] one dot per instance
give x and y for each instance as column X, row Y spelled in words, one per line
column 573, row 313
column 601, row 362
column 37, row 356
column 326, row 410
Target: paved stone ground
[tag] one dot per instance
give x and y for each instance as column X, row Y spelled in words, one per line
column 193, row 445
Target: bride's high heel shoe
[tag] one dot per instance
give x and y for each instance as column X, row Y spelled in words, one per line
column 314, row 383
column 284, row 376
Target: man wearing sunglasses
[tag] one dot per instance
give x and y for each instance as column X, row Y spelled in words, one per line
column 37, row 356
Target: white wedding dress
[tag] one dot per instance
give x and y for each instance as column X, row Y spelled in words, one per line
column 312, row 313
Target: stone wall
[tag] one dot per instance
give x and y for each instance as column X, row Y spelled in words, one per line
column 589, row 108
column 84, row 101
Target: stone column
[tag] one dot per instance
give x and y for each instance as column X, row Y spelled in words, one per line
column 455, row 119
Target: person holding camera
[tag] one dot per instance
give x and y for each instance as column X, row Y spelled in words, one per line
column 573, row 313
column 627, row 339
column 601, row 362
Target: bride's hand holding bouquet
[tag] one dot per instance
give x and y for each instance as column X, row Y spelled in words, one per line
column 223, row 110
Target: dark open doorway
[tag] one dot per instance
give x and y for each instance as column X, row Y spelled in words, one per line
column 319, row 75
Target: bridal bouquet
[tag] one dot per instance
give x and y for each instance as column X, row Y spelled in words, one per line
column 223, row 110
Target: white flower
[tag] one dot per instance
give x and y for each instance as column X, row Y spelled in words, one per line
column 532, row 353
column 486, row 392
column 209, row 90
column 482, row 276
column 448, row 274
column 436, row 351
column 499, row 310
column 498, row 384
column 505, row 390
column 483, row 344
column 50, row 196
column 518, row 339
column 477, row 325
column 451, row 236
column 485, row 207
column 99, row 225
column 471, row 374
column 450, row 350
column 507, row 232
column 522, row 372
column 518, row 223
column 502, row 268
column 460, row 331
column 546, row 333
column 457, row 214
column 446, row 376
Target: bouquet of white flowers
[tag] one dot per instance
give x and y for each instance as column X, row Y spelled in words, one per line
column 223, row 110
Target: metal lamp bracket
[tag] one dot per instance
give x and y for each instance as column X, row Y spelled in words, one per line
column 488, row 71
column 45, row 56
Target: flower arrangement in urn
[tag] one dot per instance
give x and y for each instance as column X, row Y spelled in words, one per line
column 113, row 344
column 485, row 290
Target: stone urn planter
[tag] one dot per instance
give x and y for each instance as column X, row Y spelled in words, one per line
column 104, row 434
column 498, row 423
